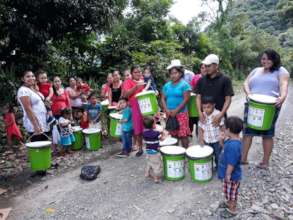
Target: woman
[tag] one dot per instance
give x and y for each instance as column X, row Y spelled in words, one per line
column 271, row 79
column 75, row 98
column 127, row 74
column 34, row 110
column 175, row 96
column 60, row 99
column 130, row 88
column 106, row 87
column 115, row 89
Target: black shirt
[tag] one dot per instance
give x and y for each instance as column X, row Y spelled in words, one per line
column 217, row 87
column 116, row 93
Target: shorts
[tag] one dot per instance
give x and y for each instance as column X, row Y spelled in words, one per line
column 154, row 162
column 252, row 132
column 231, row 190
column 184, row 129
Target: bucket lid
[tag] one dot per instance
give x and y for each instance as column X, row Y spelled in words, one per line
column 105, row 102
column 91, row 130
column 172, row 150
column 76, row 128
column 266, row 99
column 145, row 93
column 116, row 116
column 168, row 141
column 38, row 144
column 192, row 94
column 198, row 151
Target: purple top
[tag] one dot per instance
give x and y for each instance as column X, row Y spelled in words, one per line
column 151, row 138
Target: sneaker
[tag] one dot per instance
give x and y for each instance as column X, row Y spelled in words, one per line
column 122, row 154
column 139, row 153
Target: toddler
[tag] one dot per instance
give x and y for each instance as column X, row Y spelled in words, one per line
column 66, row 133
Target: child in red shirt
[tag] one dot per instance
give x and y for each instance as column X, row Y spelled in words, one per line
column 12, row 130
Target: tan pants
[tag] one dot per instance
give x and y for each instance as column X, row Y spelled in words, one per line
column 154, row 164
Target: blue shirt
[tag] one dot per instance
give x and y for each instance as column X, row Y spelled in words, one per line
column 174, row 94
column 127, row 115
column 232, row 156
column 93, row 111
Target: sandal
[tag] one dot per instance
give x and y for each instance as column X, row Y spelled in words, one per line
column 227, row 214
column 263, row 166
column 223, row 205
column 244, row 163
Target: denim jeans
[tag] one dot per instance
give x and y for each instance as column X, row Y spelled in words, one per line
column 217, row 150
column 127, row 140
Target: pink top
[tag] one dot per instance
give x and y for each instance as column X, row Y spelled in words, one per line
column 195, row 80
column 129, row 84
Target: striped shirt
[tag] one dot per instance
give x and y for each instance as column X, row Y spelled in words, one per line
column 151, row 139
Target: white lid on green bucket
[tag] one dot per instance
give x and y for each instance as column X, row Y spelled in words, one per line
column 38, row 144
column 145, row 93
column 168, row 141
column 76, row 128
column 105, row 102
column 116, row 116
column 172, row 150
column 266, row 99
column 91, row 130
column 198, row 151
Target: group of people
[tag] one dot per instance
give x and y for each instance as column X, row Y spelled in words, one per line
column 42, row 103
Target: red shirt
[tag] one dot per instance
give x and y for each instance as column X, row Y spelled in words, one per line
column 195, row 80
column 129, row 84
column 60, row 102
column 44, row 88
column 84, row 88
column 105, row 90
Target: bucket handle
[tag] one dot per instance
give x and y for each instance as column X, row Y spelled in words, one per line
column 30, row 137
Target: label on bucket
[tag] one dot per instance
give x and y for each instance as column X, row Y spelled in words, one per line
column 118, row 131
column 145, row 105
column 203, row 171
column 175, row 169
column 87, row 142
column 255, row 116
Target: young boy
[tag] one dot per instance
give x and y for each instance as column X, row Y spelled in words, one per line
column 127, row 129
column 208, row 133
column 93, row 111
column 229, row 169
column 152, row 139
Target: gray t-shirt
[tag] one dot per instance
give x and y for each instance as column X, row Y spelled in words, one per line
column 266, row 83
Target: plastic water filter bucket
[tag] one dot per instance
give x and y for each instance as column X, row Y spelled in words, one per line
column 200, row 163
column 261, row 111
column 39, row 153
column 93, row 138
column 173, row 162
column 105, row 105
column 79, row 140
column 115, row 125
column 192, row 107
column 148, row 103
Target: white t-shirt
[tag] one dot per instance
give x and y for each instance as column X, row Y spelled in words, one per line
column 74, row 102
column 38, row 108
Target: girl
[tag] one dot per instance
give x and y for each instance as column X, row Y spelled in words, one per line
column 12, row 129
column 66, row 132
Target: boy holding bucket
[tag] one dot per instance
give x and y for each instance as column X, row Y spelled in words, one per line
column 93, row 111
column 229, row 169
column 209, row 134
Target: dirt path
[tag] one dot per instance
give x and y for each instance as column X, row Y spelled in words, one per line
column 122, row 192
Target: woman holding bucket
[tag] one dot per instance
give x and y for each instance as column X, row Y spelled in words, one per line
column 270, row 80
column 131, row 87
column 175, row 96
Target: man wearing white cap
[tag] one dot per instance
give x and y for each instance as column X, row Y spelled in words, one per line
column 216, row 85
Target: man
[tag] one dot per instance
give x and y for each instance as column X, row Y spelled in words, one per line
column 216, row 85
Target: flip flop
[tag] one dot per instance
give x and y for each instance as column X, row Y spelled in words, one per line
column 244, row 163
column 227, row 214
column 262, row 166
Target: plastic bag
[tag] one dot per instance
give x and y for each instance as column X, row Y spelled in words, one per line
column 90, row 172
column 172, row 124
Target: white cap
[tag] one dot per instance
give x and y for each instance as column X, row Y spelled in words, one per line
column 174, row 63
column 210, row 59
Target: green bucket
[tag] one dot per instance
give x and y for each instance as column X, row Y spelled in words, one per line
column 115, row 125
column 174, row 162
column 93, row 138
column 200, row 163
column 39, row 153
column 105, row 105
column 261, row 112
column 192, row 107
column 148, row 103
column 79, row 140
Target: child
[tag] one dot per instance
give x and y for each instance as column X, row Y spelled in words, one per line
column 12, row 130
column 83, row 88
column 66, row 132
column 149, row 80
column 93, row 111
column 152, row 140
column 208, row 133
column 46, row 89
column 229, row 168
column 127, row 130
